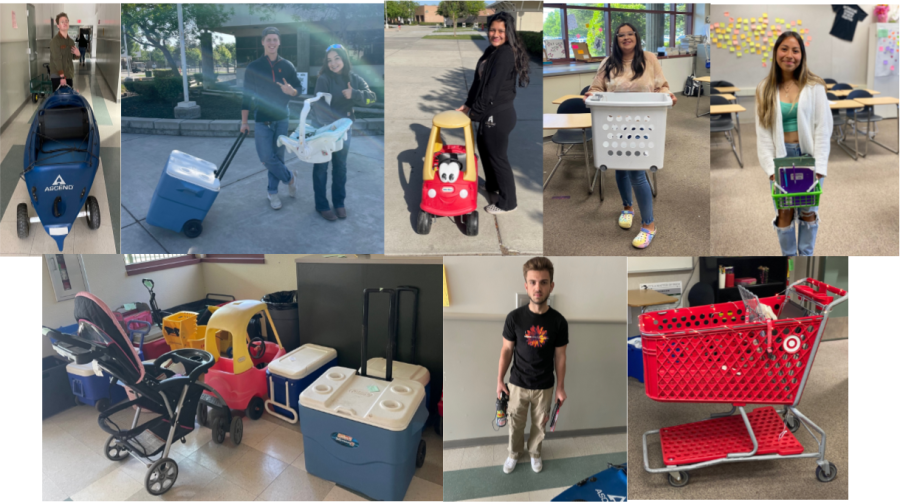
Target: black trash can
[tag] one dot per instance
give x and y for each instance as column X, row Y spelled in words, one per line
column 57, row 396
column 283, row 309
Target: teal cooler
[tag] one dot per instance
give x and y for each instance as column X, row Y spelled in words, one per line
column 363, row 433
column 291, row 373
column 185, row 192
column 377, row 366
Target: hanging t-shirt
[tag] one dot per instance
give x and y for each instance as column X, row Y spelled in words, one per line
column 536, row 337
column 845, row 20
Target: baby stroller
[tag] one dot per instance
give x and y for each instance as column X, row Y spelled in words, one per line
column 151, row 386
column 62, row 154
column 317, row 145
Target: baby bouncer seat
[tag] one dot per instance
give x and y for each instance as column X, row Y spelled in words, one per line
column 316, row 145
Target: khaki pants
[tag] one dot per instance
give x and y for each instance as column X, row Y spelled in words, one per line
column 521, row 401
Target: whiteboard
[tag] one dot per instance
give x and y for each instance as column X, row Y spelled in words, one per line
column 647, row 264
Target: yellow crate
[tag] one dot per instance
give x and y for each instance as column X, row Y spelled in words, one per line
column 180, row 331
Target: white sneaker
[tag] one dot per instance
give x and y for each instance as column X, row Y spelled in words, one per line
column 509, row 465
column 493, row 209
column 536, row 464
column 292, row 186
column 274, row 201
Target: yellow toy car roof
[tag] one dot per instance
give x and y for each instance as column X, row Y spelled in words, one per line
column 234, row 318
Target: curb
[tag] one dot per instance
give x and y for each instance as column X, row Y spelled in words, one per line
column 225, row 128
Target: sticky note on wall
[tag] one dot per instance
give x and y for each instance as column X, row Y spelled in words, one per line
column 446, row 291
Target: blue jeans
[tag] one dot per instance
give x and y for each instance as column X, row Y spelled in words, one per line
column 338, row 179
column 626, row 180
column 270, row 155
column 803, row 241
column 83, row 52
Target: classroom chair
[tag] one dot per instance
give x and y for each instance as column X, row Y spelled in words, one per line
column 585, row 90
column 572, row 137
column 868, row 116
column 840, row 119
column 725, row 124
column 841, row 87
column 830, row 81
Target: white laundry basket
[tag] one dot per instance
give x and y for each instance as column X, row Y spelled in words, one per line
column 629, row 129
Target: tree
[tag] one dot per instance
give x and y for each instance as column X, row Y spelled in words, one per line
column 224, row 55
column 552, row 26
column 153, row 25
column 456, row 10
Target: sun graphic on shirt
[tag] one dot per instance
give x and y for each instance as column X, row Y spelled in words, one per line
column 536, row 336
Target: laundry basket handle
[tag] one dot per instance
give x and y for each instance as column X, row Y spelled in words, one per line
column 307, row 104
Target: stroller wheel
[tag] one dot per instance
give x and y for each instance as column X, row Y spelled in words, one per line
column 23, row 224
column 93, row 212
column 420, row 454
column 423, row 224
column 820, row 474
column 114, row 451
column 679, row 483
column 161, row 476
column 203, row 414
column 34, row 97
column 237, row 430
column 219, row 430
column 193, row 229
column 102, row 404
column 472, row 224
column 255, row 408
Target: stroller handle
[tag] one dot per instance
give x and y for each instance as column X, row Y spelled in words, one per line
column 187, row 358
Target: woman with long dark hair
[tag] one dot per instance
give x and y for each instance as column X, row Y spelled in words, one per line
column 629, row 68
column 347, row 90
column 793, row 119
column 490, row 104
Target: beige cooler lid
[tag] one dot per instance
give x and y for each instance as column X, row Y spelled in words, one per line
column 377, row 367
column 302, row 361
column 343, row 393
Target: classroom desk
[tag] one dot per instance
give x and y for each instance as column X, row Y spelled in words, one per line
column 644, row 298
column 874, row 102
column 728, row 89
column 845, row 92
column 729, row 97
column 717, row 109
column 571, row 121
column 847, row 104
column 702, row 80
column 733, row 108
column 558, row 101
column 829, row 86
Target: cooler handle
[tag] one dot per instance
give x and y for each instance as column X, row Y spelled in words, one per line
column 392, row 330
column 220, row 172
column 345, row 411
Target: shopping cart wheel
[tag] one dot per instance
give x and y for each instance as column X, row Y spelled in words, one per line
column 23, row 222
column 102, row 404
column 420, row 454
column 791, row 422
column 114, row 451
column 219, row 430
column 820, row 474
column 202, row 414
column 93, row 213
column 237, row 430
column 679, row 483
column 161, row 476
column 423, row 223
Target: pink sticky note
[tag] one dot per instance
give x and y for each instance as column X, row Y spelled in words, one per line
column 892, row 68
column 736, row 32
column 764, row 64
column 809, row 37
column 730, row 19
column 715, row 25
column 726, row 14
column 880, row 49
column 769, row 33
column 807, row 43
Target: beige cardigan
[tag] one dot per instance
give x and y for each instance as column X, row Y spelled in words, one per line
column 652, row 80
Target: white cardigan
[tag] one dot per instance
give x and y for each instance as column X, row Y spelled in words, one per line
column 814, row 126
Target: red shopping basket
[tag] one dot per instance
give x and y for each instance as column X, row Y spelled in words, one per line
column 712, row 354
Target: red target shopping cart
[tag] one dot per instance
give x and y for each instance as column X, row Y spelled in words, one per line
column 734, row 353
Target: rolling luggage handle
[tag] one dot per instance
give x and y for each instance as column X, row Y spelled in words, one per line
column 220, row 172
column 392, row 331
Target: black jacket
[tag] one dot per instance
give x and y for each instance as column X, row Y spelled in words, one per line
column 341, row 107
column 494, row 88
column 260, row 87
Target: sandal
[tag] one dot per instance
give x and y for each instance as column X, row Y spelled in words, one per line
column 625, row 219
column 643, row 239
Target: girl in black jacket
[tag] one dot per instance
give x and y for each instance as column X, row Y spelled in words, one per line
column 490, row 104
column 347, row 90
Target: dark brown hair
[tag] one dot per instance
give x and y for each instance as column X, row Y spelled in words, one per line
column 342, row 53
column 538, row 264
column 61, row 14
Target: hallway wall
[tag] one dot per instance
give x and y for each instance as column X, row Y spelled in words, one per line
column 14, row 57
column 108, row 48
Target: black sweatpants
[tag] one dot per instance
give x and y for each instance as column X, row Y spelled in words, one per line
column 493, row 140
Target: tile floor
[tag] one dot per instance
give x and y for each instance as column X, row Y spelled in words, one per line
column 268, row 465
column 495, row 455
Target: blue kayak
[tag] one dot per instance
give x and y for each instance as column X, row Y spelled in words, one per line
column 62, row 154
column 610, row 485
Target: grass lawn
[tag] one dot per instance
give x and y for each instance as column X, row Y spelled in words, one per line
column 450, row 30
column 471, row 36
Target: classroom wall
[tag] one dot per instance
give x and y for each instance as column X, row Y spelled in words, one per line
column 636, row 279
column 587, row 288
column 107, row 45
column 106, row 277
column 596, row 373
column 14, row 57
column 252, row 281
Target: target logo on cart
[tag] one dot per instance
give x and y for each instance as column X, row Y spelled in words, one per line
column 791, row 344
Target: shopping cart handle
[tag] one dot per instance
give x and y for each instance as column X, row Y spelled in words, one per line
column 807, row 291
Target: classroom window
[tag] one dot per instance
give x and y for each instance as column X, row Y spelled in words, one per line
column 659, row 25
column 142, row 263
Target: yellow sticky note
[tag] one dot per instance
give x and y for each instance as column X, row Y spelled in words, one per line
column 757, row 39
column 765, row 14
column 731, row 49
column 752, row 19
column 719, row 46
column 739, row 54
column 446, row 291
column 742, row 36
column 799, row 22
column 739, row 20
column 580, row 52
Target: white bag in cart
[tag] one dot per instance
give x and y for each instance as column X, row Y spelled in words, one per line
column 316, row 146
column 629, row 129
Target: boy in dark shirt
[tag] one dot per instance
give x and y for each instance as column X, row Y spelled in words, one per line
column 534, row 341
column 270, row 82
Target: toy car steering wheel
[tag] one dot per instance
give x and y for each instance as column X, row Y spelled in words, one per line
column 254, row 343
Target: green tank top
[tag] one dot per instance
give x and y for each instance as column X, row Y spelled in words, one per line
column 789, row 116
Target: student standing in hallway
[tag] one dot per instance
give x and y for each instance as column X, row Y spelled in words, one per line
column 61, row 49
column 534, row 341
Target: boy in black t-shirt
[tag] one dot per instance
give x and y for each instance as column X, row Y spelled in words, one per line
column 534, row 341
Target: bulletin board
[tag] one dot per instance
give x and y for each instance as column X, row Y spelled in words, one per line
column 753, row 37
column 886, row 49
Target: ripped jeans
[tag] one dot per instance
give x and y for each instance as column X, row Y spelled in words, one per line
column 801, row 242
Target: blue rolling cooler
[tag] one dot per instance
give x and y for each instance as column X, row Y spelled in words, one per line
column 610, row 485
column 291, row 373
column 377, row 366
column 91, row 389
column 363, row 433
column 186, row 191
column 635, row 359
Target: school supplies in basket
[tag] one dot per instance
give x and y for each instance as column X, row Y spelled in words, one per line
column 795, row 184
